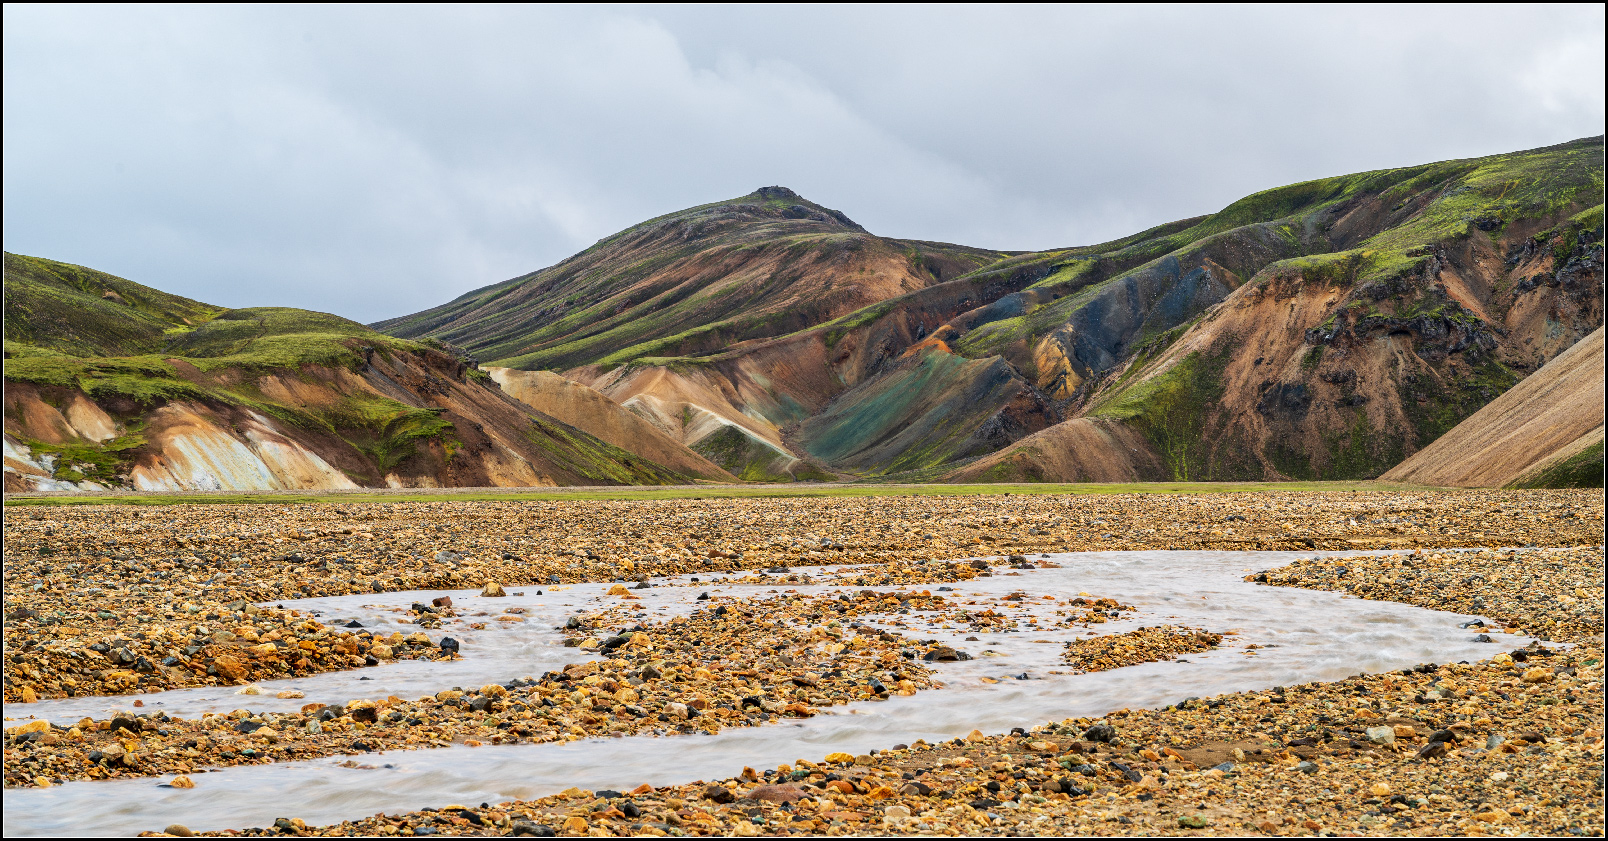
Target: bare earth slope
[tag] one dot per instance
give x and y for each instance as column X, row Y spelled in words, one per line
column 192, row 397
column 1557, row 412
column 689, row 283
column 591, row 412
column 1337, row 365
column 1317, row 330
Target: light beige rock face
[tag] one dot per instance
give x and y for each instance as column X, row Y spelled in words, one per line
column 192, row 452
column 90, row 421
column 644, row 428
column 1550, row 415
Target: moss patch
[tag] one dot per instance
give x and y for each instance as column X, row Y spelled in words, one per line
column 1581, row 470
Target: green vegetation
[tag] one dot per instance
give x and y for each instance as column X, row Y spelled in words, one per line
column 147, row 380
column 1361, row 452
column 105, row 463
column 705, row 492
column 1581, row 470
column 1437, row 400
column 82, row 312
column 750, row 459
column 1170, row 408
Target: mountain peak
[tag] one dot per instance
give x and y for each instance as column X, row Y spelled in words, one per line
column 777, row 194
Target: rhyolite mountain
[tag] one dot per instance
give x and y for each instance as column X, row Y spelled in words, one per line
column 1328, row 329
column 110, row 383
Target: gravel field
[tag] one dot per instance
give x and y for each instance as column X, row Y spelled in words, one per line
column 124, row 600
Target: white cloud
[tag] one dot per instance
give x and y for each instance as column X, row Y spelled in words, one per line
column 376, row 161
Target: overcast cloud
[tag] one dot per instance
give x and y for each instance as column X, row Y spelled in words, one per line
column 373, row 162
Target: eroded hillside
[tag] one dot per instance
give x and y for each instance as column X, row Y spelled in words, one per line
column 1326, row 329
column 265, row 398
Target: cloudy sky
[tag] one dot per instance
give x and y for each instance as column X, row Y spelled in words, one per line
column 373, row 162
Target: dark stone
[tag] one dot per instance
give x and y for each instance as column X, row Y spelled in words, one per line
column 1100, row 733
column 719, row 794
column 533, row 830
column 1285, row 399
column 442, row 601
column 354, row 624
column 449, row 645
column 1126, row 771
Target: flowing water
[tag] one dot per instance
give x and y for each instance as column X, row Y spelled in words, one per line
column 1303, row 636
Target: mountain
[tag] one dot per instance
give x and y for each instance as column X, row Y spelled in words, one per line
column 1544, row 432
column 688, row 284
column 113, row 384
column 1327, row 329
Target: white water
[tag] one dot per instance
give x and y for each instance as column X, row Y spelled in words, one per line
column 1316, row 636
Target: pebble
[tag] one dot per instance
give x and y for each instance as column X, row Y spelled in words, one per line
column 1145, row 645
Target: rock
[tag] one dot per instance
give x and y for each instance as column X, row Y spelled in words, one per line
column 619, row 590
column 181, row 781
column 1381, row 735
column 449, row 645
column 441, row 601
column 719, row 794
column 532, row 830
column 363, row 711
column 1380, row 790
column 1192, row 822
column 1307, row 767
column 230, row 668
column 179, row 830
column 776, row 793
column 1103, row 733
column 1538, row 674
column 493, row 590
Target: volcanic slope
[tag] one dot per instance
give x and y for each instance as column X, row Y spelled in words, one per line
column 591, row 412
column 1326, row 329
column 173, row 394
column 1545, row 431
column 688, row 284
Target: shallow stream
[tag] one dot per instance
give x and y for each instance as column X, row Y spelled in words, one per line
column 1302, row 635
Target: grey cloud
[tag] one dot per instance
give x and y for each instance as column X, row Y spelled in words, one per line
column 375, row 161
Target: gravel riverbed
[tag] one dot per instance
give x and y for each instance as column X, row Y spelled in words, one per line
column 127, row 601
